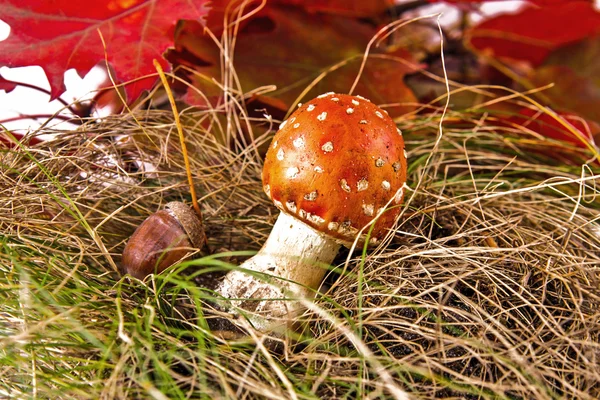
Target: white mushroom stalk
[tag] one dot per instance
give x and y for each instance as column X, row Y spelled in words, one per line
column 332, row 167
column 290, row 265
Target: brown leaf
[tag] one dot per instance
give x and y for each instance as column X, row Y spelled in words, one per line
column 348, row 8
column 289, row 48
column 574, row 70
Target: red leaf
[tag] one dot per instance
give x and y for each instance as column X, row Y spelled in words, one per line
column 8, row 142
column 532, row 33
column 64, row 34
column 6, row 85
column 549, row 127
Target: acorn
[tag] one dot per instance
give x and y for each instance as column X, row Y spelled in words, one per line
column 163, row 239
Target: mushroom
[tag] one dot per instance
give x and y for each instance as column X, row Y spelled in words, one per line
column 332, row 168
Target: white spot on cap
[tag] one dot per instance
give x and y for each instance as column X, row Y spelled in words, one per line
column 335, row 99
column 396, row 166
column 379, row 162
column 298, row 142
column 280, row 154
column 363, row 122
column 324, row 95
column 405, row 153
column 281, row 125
column 386, row 112
column 310, row 107
column 368, row 209
column 344, row 185
column 327, row 147
column 319, row 169
column 346, row 227
column 292, row 172
column 312, row 196
column 297, row 125
column 385, row 185
column 380, row 115
column 302, row 213
column 362, row 98
column 350, row 230
column 299, row 104
column 316, row 219
column 399, row 131
column 349, row 110
column 278, row 204
column 292, row 120
column 355, row 102
column 333, row 226
column 291, row 206
column 274, row 144
column 399, row 195
column 267, row 190
column 322, row 116
column 361, row 185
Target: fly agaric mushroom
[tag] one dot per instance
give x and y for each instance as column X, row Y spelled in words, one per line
column 331, row 169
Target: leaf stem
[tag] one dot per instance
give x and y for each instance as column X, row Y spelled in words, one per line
column 45, row 91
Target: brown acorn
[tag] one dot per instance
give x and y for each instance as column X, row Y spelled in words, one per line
column 162, row 239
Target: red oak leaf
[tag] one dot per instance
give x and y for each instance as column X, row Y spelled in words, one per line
column 531, row 34
column 6, row 85
column 62, row 34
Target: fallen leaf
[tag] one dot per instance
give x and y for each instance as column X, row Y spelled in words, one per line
column 289, row 48
column 578, row 136
column 59, row 35
column 574, row 70
column 6, row 84
column 570, row 91
column 532, row 33
column 348, row 8
column 548, row 126
column 11, row 140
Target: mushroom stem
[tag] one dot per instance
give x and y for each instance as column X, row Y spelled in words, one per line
column 294, row 252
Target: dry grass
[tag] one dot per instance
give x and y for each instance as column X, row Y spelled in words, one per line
column 488, row 287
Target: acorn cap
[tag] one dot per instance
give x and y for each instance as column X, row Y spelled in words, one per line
column 335, row 163
column 189, row 221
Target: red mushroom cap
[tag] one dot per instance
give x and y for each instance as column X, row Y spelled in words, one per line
column 335, row 163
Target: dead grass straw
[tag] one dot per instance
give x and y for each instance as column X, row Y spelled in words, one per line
column 488, row 287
